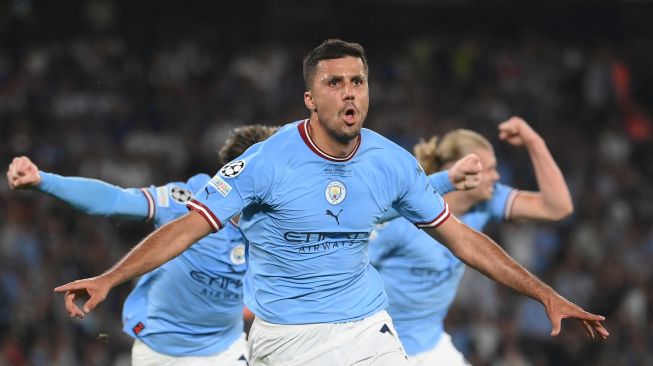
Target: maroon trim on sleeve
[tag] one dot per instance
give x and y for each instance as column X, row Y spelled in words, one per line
column 213, row 221
column 442, row 217
column 150, row 204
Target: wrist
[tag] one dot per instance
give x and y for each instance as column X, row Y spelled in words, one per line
column 535, row 142
column 546, row 295
column 46, row 181
column 111, row 278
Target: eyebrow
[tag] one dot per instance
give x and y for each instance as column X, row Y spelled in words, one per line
column 341, row 77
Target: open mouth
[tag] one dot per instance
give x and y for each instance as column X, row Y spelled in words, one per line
column 350, row 115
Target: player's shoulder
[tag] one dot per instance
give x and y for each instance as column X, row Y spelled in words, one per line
column 197, row 181
column 372, row 140
column 282, row 143
column 285, row 137
column 385, row 154
column 258, row 161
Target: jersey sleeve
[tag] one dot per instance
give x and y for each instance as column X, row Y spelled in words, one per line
column 168, row 202
column 501, row 202
column 418, row 201
column 242, row 182
column 95, row 197
column 441, row 182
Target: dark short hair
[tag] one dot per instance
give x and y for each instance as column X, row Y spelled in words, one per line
column 241, row 138
column 328, row 50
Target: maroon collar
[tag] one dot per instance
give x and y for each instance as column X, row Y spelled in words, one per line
column 306, row 136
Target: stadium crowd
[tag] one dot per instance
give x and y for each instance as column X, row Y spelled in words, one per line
column 155, row 107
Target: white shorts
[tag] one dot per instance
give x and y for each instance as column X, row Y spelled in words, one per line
column 443, row 353
column 235, row 355
column 371, row 341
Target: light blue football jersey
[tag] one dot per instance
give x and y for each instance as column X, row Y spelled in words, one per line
column 192, row 305
column 421, row 275
column 307, row 217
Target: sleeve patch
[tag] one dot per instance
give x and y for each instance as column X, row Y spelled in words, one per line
column 162, row 197
column 233, row 169
column 220, row 185
column 180, row 195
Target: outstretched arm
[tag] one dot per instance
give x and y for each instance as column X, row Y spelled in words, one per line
column 91, row 196
column 553, row 201
column 483, row 254
column 162, row 245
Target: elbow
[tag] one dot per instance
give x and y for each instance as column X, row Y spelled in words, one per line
column 562, row 212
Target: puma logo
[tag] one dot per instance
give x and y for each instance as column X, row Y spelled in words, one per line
column 329, row 213
column 386, row 329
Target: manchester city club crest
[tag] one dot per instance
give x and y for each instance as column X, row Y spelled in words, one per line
column 237, row 254
column 335, row 192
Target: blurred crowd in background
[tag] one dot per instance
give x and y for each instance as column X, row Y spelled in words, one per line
column 100, row 90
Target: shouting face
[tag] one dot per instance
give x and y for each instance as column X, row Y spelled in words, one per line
column 339, row 96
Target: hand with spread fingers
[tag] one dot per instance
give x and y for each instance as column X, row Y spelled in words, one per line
column 465, row 174
column 558, row 308
column 23, row 173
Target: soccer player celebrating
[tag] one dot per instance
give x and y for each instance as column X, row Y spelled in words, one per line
column 207, row 326
column 310, row 196
column 422, row 277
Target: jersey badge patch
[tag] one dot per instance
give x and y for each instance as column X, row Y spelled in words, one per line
column 237, row 254
column 220, row 185
column 335, row 192
column 233, row 169
column 180, row 195
column 162, row 197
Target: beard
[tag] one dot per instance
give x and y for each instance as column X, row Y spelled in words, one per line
column 343, row 135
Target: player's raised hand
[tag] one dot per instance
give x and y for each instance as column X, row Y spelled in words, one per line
column 93, row 290
column 23, row 173
column 558, row 308
column 516, row 131
column 466, row 173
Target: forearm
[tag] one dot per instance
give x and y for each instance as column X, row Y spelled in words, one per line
column 551, row 183
column 159, row 247
column 483, row 254
column 95, row 197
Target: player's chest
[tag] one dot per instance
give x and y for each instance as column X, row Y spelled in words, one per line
column 335, row 196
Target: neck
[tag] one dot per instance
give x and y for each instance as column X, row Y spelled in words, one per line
column 327, row 143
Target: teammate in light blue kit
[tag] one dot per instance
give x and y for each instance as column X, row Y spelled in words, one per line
column 310, row 196
column 207, row 326
column 422, row 278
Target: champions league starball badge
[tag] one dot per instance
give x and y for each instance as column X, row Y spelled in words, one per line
column 180, row 195
column 233, row 169
column 335, row 192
